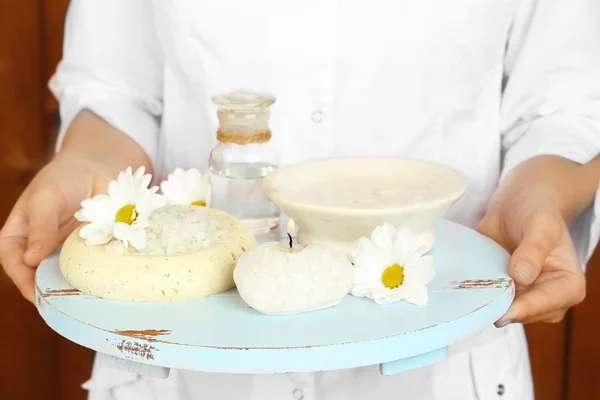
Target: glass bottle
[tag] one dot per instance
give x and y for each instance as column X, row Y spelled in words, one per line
column 242, row 158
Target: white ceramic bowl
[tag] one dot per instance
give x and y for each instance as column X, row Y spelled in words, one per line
column 337, row 200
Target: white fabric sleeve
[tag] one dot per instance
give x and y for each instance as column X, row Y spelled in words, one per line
column 551, row 96
column 112, row 66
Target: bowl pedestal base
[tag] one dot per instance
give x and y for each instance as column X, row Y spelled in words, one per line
column 345, row 247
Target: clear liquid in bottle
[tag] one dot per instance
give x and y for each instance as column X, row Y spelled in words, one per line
column 237, row 188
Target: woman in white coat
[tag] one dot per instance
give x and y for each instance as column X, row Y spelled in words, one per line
column 506, row 91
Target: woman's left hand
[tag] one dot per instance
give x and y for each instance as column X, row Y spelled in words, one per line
column 549, row 279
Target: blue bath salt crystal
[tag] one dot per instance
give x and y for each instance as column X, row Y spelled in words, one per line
column 141, row 250
column 213, row 242
column 179, row 216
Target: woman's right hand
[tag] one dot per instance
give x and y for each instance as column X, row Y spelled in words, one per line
column 43, row 216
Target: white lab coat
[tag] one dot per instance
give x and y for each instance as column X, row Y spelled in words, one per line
column 477, row 85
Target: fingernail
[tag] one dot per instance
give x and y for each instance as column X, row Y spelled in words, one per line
column 524, row 269
column 501, row 323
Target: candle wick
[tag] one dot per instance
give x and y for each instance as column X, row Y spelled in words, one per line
column 290, row 236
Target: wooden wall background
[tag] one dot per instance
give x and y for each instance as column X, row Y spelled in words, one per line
column 38, row 364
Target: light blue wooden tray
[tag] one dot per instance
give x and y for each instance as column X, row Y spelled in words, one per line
column 220, row 333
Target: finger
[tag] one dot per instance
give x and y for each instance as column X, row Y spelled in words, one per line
column 16, row 224
column 44, row 234
column 550, row 318
column 541, row 234
column 12, row 249
column 490, row 226
column 551, row 296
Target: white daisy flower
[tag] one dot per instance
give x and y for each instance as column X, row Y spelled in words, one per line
column 123, row 213
column 187, row 187
column 391, row 266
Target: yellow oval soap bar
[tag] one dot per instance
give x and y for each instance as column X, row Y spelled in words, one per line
column 191, row 252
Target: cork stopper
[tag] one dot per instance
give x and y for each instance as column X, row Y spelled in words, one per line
column 243, row 113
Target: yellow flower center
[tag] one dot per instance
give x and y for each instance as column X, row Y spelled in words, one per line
column 200, row 203
column 393, row 276
column 126, row 214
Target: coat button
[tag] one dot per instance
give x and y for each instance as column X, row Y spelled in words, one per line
column 317, row 116
column 298, row 394
column 500, row 389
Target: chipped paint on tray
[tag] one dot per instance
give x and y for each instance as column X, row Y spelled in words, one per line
column 136, row 349
column 501, row 283
column 149, row 335
column 61, row 292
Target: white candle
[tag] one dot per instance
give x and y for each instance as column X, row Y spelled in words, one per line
column 276, row 278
